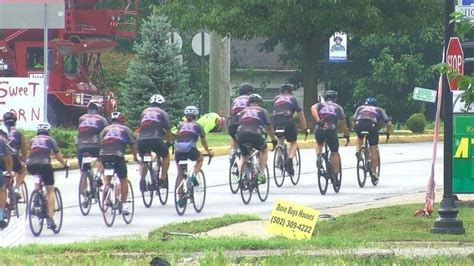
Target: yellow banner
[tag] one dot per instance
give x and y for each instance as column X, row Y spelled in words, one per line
column 292, row 220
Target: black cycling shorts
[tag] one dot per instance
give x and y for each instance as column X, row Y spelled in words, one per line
column 118, row 162
column 257, row 142
column 369, row 126
column 193, row 154
column 232, row 130
column 94, row 152
column 285, row 122
column 17, row 163
column 330, row 136
column 152, row 145
column 45, row 171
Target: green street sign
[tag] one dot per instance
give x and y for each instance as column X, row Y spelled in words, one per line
column 425, row 95
column 463, row 153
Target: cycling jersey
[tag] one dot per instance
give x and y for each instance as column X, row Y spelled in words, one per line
column 238, row 105
column 4, row 149
column 40, row 150
column 372, row 113
column 188, row 134
column 89, row 128
column 154, row 122
column 253, row 119
column 14, row 140
column 208, row 121
column 115, row 139
column 330, row 113
column 285, row 104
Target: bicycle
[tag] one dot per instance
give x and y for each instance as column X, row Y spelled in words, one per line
column 281, row 156
column 148, row 182
column 325, row 170
column 14, row 206
column 90, row 185
column 112, row 200
column 234, row 173
column 194, row 191
column 364, row 163
column 248, row 182
column 38, row 207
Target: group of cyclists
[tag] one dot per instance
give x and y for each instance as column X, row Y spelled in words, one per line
column 249, row 126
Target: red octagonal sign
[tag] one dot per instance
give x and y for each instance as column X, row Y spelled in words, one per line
column 455, row 59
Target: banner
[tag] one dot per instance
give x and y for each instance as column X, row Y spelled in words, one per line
column 338, row 47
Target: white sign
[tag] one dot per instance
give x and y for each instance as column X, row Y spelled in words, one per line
column 175, row 38
column 25, row 97
column 425, row 95
column 459, row 106
column 197, row 43
column 338, row 47
column 466, row 7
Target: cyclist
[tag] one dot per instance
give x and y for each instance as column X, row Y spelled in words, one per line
column 366, row 118
column 327, row 116
column 254, row 122
column 239, row 103
column 212, row 122
column 187, row 136
column 39, row 163
column 88, row 137
column 17, row 142
column 115, row 138
column 154, row 126
column 6, row 165
column 284, row 107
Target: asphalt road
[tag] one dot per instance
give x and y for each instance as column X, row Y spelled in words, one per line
column 405, row 170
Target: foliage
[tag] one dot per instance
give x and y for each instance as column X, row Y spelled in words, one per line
column 416, row 123
column 115, row 65
column 155, row 69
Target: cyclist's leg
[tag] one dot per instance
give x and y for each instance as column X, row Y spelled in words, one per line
column 178, row 157
column 291, row 135
column 195, row 155
column 358, row 128
column 373, row 142
column 241, row 140
column 2, row 198
column 232, row 129
column 104, row 159
column 141, row 147
column 83, row 184
column 260, row 144
column 121, row 171
column 333, row 144
column 320, row 137
column 161, row 150
column 47, row 176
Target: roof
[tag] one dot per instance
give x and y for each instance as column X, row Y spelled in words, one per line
column 247, row 54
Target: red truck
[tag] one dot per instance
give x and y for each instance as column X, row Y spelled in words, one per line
column 74, row 52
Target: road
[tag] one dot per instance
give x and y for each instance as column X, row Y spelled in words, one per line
column 405, row 170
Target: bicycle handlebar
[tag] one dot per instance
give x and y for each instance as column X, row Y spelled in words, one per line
column 347, row 140
column 210, row 157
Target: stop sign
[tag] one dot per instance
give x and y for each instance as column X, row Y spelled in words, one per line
column 455, row 59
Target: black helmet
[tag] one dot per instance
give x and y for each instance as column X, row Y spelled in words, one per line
column 245, row 88
column 330, row 95
column 254, row 98
column 9, row 119
column 286, row 87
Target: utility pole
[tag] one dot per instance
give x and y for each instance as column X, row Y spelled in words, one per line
column 219, row 74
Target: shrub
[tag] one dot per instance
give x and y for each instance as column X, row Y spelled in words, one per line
column 416, row 123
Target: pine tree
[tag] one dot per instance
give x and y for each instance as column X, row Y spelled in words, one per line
column 155, row 69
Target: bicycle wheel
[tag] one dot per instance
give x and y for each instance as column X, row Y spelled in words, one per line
column 36, row 213
column 22, row 203
column 146, row 187
column 279, row 166
column 127, row 218
column 108, row 206
column 85, row 196
column 322, row 176
column 337, row 182
column 234, row 175
column 181, row 185
column 263, row 188
column 244, row 184
column 10, row 204
column 361, row 168
column 162, row 192
column 199, row 192
column 58, row 211
column 376, row 181
column 297, row 167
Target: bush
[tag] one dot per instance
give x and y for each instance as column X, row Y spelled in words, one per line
column 416, row 123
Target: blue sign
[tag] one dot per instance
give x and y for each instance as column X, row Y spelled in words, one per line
column 467, row 2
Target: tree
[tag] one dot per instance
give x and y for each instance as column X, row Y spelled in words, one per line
column 155, row 69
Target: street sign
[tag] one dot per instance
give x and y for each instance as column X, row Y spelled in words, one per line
column 463, row 153
column 199, row 40
column 175, row 38
column 28, row 14
column 466, row 7
column 454, row 58
column 425, row 95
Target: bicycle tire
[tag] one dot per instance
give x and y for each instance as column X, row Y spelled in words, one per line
column 9, row 201
column 146, row 186
column 337, row 185
column 296, row 162
column 279, row 162
column 58, row 211
column 200, row 189
column 22, row 204
column 234, row 177
column 263, row 189
column 180, row 210
column 108, row 209
column 88, row 180
column 245, row 191
column 36, row 213
column 362, row 168
column 375, row 182
column 99, row 195
column 163, row 193
column 131, row 201
column 322, row 173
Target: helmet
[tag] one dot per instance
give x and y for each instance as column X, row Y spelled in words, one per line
column 117, row 117
column 157, row 99
column 330, row 95
column 254, row 98
column 191, row 110
column 371, row 101
column 245, row 88
column 286, row 87
column 43, row 127
column 9, row 118
column 94, row 104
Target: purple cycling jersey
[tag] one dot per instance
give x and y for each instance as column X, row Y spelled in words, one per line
column 253, row 119
column 154, row 122
column 285, row 104
column 89, row 128
column 40, row 149
column 115, row 139
column 238, row 105
column 330, row 113
column 372, row 113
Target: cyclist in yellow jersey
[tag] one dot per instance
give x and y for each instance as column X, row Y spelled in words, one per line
column 211, row 122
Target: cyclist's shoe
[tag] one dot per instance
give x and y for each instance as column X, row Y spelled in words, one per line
column 17, row 193
column 125, row 208
column 359, row 156
column 50, row 223
column 3, row 224
column 374, row 177
column 235, row 170
column 182, row 201
column 194, row 181
column 289, row 167
column 319, row 164
column 232, row 156
column 335, row 181
column 162, row 183
column 85, row 200
column 98, row 181
column 262, row 179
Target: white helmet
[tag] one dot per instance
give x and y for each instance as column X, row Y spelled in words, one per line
column 94, row 104
column 43, row 126
column 191, row 110
column 157, row 98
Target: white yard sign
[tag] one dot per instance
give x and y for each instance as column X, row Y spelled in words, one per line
column 25, row 97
